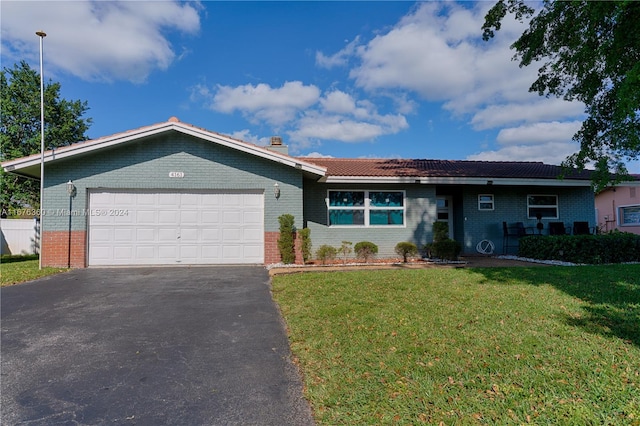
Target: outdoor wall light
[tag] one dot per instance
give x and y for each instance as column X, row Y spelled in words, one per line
column 276, row 190
column 71, row 188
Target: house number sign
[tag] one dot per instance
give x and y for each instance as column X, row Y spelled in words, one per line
column 176, row 174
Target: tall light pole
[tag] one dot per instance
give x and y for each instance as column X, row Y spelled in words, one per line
column 42, row 35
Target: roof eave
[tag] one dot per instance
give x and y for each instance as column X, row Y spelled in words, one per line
column 21, row 166
column 452, row 180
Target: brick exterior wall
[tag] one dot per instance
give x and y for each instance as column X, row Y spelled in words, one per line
column 55, row 249
column 271, row 252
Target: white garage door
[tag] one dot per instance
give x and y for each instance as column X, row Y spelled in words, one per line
column 170, row 228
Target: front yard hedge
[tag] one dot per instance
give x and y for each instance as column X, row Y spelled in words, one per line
column 615, row 247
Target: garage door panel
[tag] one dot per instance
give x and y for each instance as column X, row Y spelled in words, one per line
column 122, row 253
column 231, row 235
column 251, row 235
column 230, row 218
column 210, row 235
column 167, row 199
column 189, row 217
column 142, row 198
column 99, row 216
column 120, row 198
column 100, row 235
column 168, row 217
column 188, row 235
column 188, row 252
column 101, row 198
column 211, row 200
column 252, row 251
column 252, row 217
column 167, row 235
column 232, row 200
column 124, row 234
column 210, row 252
column 190, row 200
column 102, row 253
column 210, row 217
column 145, row 254
column 176, row 228
column 145, row 235
column 146, row 217
column 232, row 253
column 251, row 201
column 123, row 217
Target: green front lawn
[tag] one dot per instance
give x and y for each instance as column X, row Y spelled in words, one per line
column 17, row 269
column 554, row 345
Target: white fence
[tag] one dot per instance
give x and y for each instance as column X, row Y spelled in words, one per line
column 20, row 236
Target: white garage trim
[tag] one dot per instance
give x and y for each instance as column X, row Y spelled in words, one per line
column 144, row 227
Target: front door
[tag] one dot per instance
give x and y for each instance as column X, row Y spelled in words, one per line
column 445, row 212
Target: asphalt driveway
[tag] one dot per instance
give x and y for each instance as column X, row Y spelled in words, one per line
column 148, row 346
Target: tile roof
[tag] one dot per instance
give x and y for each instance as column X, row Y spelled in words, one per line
column 440, row 168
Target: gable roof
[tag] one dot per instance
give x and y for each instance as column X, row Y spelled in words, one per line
column 30, row 166
column 340, row 170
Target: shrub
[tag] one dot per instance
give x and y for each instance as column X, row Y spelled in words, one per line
column 447, row 249
column 326, row 253
column 365, row 250
column 440, row 231
column 305, row 244
column 286, row 241
column 345, row 250
column 406, row 249
column 615, row 247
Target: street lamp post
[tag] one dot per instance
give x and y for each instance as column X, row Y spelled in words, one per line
column 42, row 35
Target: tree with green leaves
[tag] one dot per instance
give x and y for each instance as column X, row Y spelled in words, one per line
column 20, row 128
column 587, row 51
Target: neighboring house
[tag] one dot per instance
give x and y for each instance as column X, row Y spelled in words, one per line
column 172, row 193
column 618, row 207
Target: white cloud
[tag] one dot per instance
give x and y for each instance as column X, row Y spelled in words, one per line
column 338, row 102
column 340, row 58
column 335, row 128
column 246, row 136
column 538, row 133
column 302, row 112
column 436, row 52
column 537, row 110
column 549, row 142
column 95, row 40
column 276, row 106
column 341, row 117
column 548, row 152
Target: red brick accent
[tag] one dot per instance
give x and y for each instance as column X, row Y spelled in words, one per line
column 271, row 252
column 55, row 249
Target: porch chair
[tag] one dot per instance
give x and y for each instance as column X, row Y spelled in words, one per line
column 582, row 228
column 558, row 228
column 517, row 230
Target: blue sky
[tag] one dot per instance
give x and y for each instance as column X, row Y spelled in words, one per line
column 341, row 79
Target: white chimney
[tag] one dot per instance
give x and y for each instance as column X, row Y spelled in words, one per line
column 277, row 146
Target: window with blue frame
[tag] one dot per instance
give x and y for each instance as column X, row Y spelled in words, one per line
column 366, row 208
